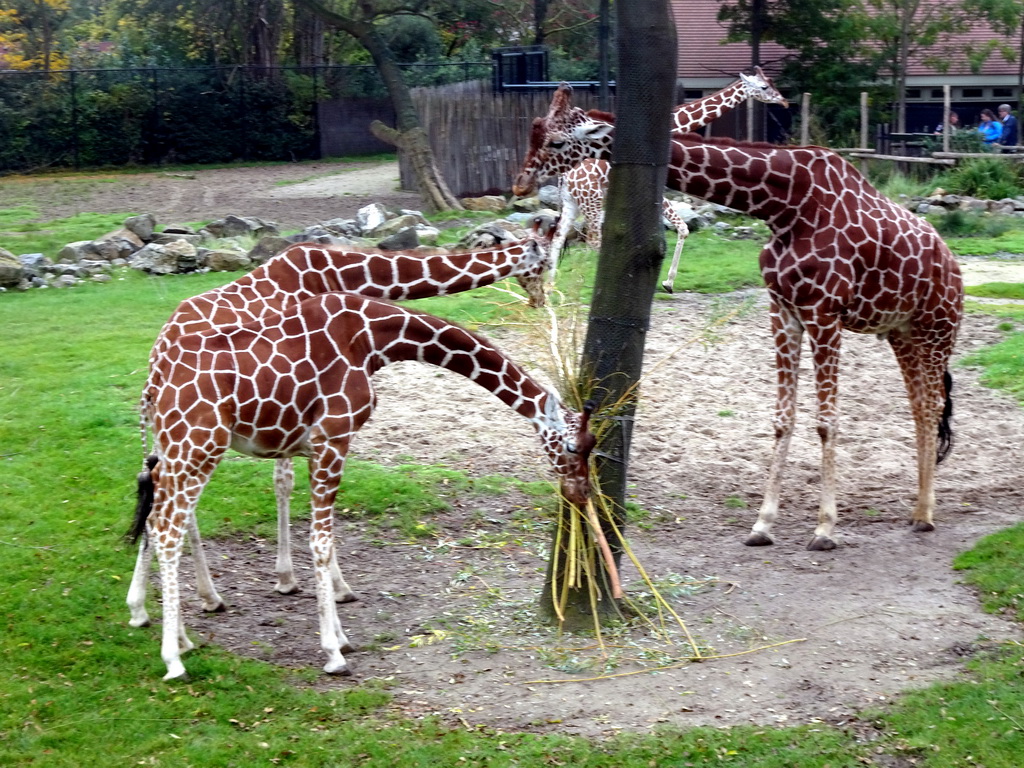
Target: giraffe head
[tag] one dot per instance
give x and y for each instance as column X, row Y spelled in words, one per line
column 760, row 87
column 568, row 442
column 536, row 264
column 555, row 146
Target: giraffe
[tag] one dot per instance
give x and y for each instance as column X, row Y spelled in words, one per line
column 305, row 270
column 582, row 190
column 841, row 256
column 298, row 383
column 567, row 136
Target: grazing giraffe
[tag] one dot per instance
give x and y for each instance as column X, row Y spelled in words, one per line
column 298, row 383
column 841, row 256
column 305, row 270
column 567, row 136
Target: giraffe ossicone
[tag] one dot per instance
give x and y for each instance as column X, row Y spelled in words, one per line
column 298, row 383
column 305, row 270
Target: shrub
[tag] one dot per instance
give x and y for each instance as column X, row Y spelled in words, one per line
column 985, row 177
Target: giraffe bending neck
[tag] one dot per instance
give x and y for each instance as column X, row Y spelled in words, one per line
column 299, row 383
column 305, row 270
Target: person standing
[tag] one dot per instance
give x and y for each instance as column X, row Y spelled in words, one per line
column 989, row 128
column 1009, row 133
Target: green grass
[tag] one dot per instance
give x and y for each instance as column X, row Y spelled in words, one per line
column 996, row 290
column 19, row 234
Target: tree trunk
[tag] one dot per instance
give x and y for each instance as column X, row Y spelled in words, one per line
column 633, row 247
column 408, row 135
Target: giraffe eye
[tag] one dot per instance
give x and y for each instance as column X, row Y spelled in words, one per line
column 556, row 144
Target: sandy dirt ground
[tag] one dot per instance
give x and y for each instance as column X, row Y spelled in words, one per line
column 819, row 636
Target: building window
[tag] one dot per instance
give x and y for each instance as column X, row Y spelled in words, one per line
column 693, row 94
column 1002, row 93
column 973, row 93
column 913, row 93
column 938, row 93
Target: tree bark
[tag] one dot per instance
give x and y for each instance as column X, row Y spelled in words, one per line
column 408, row 134
column 633, row 247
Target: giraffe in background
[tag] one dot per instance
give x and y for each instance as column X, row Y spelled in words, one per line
column 305, row 270
column 583, row 165
column 298, row 383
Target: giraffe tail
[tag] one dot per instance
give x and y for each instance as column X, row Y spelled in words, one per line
column 945, row 427
column 144, row 503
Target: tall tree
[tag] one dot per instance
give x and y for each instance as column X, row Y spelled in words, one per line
column 633, row 247
column 906, row 29
column 360, row 20
column 30, row 29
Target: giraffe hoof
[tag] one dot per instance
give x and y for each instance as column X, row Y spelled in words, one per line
column 287, row 589
column 821, row 544
column 341, row 670
column 921, row 526
column 346, row 597
column 218, row 607
column 143, row 622
column 758, row 539
column 668, row 287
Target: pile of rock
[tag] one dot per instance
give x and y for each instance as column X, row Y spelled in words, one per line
column 942, row 202
column 234, row 243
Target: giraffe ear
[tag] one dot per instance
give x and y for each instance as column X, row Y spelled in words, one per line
column 591, row 131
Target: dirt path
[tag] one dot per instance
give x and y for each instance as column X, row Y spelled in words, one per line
column 294, row 196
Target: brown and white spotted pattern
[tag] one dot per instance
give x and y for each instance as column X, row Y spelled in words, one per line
column 298, row 383
column 305, row 270
column 841, row 256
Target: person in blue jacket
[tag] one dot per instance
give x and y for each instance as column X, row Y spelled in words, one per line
column 989, row 128
column 1009, row 134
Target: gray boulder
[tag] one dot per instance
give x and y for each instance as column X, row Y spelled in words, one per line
column 227, row 261
column 400, row 241
column 12, row 271
column 141, row 226
column 267, row 247
column 232, row 225
column 169, row 259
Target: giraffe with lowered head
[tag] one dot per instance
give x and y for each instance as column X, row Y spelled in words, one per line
column 298, row 383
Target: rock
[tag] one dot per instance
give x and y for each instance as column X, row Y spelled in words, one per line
column 267, row 247
column 392, row 226
column 101, row 278
column 370, row 217
column 527, row 205
column 493, row 203
column 485, row 236
column 233, row 225
column 400, row 241
column 142, row 226
column 12, row 271
column 227, row 261
column 64, row 281
column 549, row 196
column 165, row 238
column 428, row 235
column 166, row 259
column 72, row 253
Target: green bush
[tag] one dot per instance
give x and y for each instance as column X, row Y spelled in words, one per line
column 985, row 177
column 957, row 223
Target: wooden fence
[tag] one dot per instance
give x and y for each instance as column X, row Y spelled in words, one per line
column 480, row 137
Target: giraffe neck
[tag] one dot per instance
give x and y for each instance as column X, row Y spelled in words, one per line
column 696, row 114
column 776, row 184
column 399, row 334
column 307, row 271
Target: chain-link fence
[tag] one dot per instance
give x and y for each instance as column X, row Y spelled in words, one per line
column 107, row 117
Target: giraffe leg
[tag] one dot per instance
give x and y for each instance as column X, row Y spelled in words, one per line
column 284, row 483
column 565, row 221
column 787, row 333
column 825, row 345
column 325, row 469
column 212, row 602
column 682, row 232
column 137, row 591
column 175, row 502
column 923, row 365
column 287, row 584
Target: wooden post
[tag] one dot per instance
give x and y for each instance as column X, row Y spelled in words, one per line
column 863, row 119
column 945, row 118
column 750, row 120
column 805, row 120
